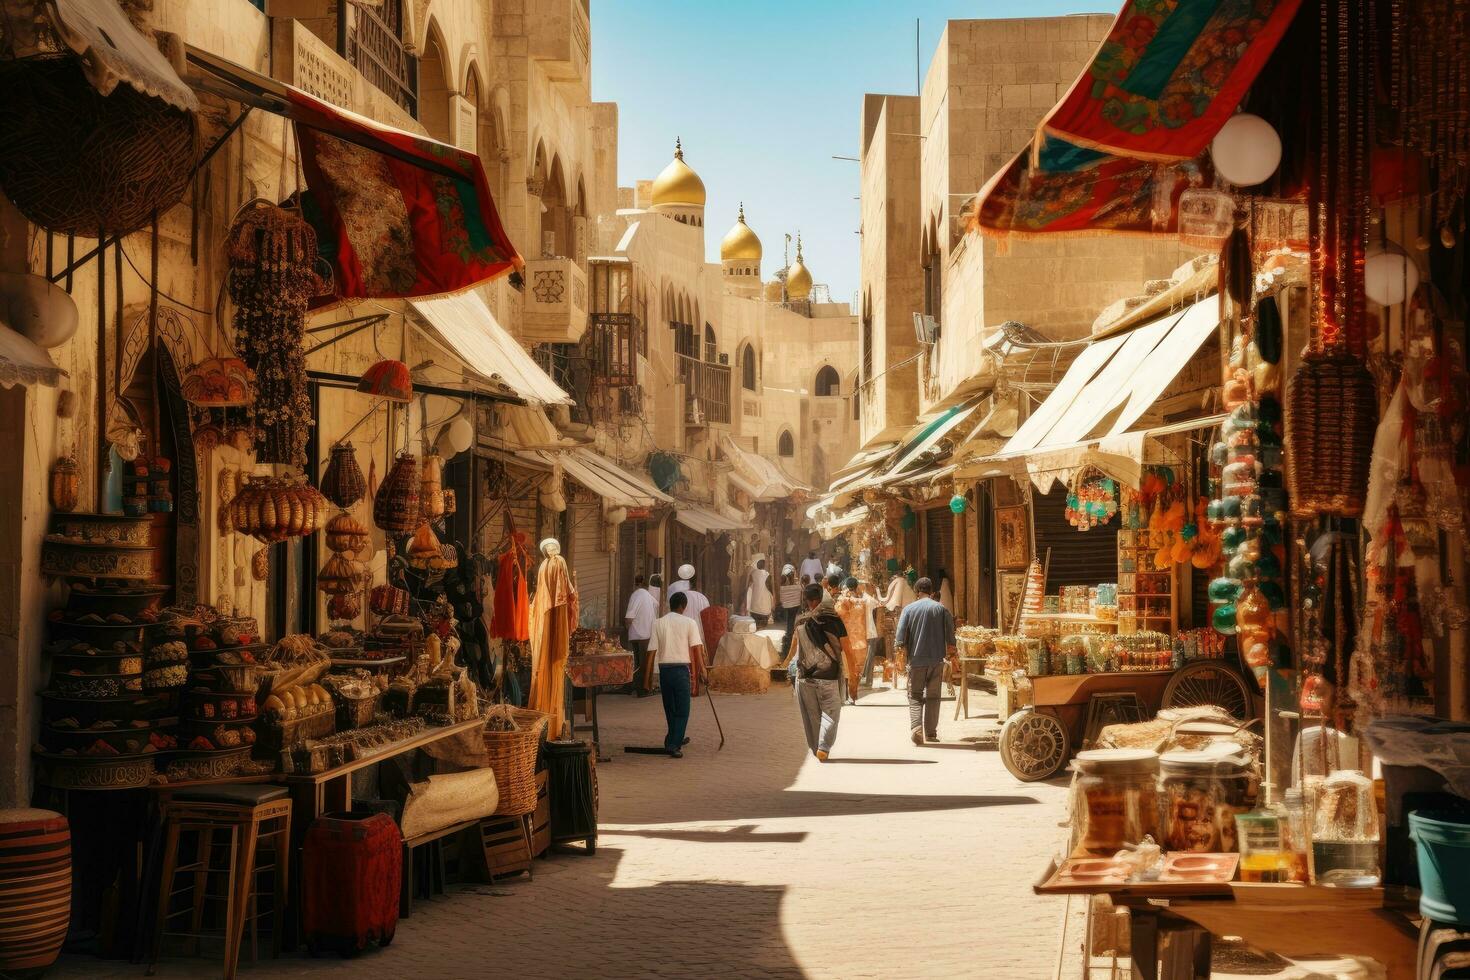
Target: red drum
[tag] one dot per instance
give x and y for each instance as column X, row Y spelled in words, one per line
column 35, row 888
column 351, row 868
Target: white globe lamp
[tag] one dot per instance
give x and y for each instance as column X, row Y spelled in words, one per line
column 1247, row 150
column 456, row 437
column 1389, row 275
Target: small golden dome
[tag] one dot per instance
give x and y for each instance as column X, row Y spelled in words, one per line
column 798, row 277
column 740, row 242
column 678, row 184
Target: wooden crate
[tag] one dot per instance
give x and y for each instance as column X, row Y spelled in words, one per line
column 504, row 841
column 541, row 818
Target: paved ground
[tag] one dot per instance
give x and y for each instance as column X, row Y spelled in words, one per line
column 757, row 861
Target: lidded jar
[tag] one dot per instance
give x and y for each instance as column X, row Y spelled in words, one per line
column 1114, row 798
column 1199, row 795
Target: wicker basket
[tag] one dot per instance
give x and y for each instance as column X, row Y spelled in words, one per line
column 1331, row 417
column 343, row 483
column 513, row 757
column 396, row 506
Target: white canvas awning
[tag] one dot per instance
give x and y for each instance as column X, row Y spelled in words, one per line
column 605, row 478
column 827, row 530
column 470, row 330
column 756, row 475
column 24, row 362
column 705, row 521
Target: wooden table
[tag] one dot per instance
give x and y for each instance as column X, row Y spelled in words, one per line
column 962, row 700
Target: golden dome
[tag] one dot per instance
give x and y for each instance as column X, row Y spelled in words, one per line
column 740, row 242
column 678, row 184
column 798, row 277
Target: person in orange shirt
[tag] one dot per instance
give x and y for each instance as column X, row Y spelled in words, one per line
column 852, row 607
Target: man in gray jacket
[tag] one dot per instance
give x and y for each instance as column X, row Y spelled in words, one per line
column 926, row 633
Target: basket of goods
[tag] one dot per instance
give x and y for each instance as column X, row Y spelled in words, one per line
column 166, row 666
column 341, row 576
column 318, row 755
column 346, row 535
column 356, row 694
column 424, row 549
column 739, row 679
column 343, row 483
column 66, row 736
column 271, row 509
column 512, row 739
column 603, row 665
column 975, row 642
column 345, row 607
column 297, row 713
column 388, row 600
column 294, row 660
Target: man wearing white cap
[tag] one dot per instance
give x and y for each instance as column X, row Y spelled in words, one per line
column 698, row 603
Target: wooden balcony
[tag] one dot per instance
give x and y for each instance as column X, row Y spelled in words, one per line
column 371, row 39
column 706, row 390
column 555, row 302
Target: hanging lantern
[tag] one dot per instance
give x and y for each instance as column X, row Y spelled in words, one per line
column 66, row 484
column 343, row 483
column 1389, row 275
column 958, row 503
column 387, row 379
column 456, row 437
column 1331, row 420
column 340, row 576
column 346, row 535
column 431, row 487
column 1246, row 151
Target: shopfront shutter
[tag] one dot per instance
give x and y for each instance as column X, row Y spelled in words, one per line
column 632, row 562
column 591, row 562
column 1077, row 557
column 938, row 542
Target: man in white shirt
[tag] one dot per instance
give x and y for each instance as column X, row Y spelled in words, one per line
column 679, row 650
column 697, row 604
column 642, row 611
column 811, row 568
column 681, row 584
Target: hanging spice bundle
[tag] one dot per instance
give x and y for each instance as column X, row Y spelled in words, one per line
column 343, row 483
column 396, row 505
column 272, row 255
column 431, row 487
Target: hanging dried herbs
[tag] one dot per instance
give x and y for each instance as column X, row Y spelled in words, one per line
column 272, row 256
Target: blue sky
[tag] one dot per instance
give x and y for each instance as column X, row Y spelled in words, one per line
column 764, row 93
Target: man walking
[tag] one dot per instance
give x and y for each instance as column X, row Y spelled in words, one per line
column 642, row 611
column 697, row 601
column 679, row 651
column 926, row 634
column 817, row 654
column 811, row 568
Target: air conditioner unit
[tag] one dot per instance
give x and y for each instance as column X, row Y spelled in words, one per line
column 926, row 328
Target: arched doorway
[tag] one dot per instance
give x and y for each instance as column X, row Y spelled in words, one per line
column 434, row 87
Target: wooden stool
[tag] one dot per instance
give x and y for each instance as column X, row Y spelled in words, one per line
column 244, row 816
column 1444, row 951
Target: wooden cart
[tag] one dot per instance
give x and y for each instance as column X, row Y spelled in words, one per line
column 1068, row 710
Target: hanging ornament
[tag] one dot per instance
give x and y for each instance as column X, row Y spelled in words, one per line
column 1390, row 276
column 958, row 503
column 389, row 380
column 66, row 484
column 396, row 504
column 343, row 483
column 456, row 437
column 1247, row 150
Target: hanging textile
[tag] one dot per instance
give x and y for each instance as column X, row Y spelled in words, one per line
column 511, row 619
column 553, row 617
column 1168, row 76
column 397, row 215
column 1064, row 188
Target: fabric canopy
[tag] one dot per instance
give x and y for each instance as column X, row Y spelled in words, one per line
column 756, row 475
column 1168, row 76
column 107, row 46
column 909, row 459
column 1122, row 374
column 829, row 529
column 23, row 362
column 397, row 214
column 605, row 478
column 704, row 520
column 469, row 329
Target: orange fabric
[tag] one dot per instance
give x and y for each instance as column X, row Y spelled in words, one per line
column 553, row 617
column 512, row 617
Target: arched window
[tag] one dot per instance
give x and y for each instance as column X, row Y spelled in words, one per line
column 786, row 446
column 434, row 87
column 709, row 344
column 828, row 383
column 867, row 342
column 747, row 368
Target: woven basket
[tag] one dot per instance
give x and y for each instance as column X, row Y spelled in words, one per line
column 513, row 757
column 343, row 483
column 1331, row 416
column 75, row 161
column 396, row 506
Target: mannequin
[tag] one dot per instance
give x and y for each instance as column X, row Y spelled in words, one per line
column 553, row 617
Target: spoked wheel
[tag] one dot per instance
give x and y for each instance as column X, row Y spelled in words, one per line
column 1033, row 745
column 1205, row 682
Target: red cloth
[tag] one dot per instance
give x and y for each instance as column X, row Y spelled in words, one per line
column 716, row 623
column 396, row 214
column 511, row 619
column 350, row 877
column 1168, row 76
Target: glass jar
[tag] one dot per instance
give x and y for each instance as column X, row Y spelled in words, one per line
column 1263, row 853
column 1293, row 813
column 1199, row 795
column 1114, row 801
column 1345, row 831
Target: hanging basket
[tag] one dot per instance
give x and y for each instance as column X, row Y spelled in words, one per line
column 75, row 161
column 396, row 507
column 1331, row 415
column 343, row 483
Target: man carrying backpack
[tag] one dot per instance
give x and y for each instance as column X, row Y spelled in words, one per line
column 816, row 654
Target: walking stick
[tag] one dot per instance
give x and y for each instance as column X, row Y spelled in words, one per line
column 709, row 695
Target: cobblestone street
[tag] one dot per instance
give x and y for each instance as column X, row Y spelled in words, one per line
column 889, row 861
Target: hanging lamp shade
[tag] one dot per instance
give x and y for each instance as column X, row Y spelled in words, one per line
column 387, row 379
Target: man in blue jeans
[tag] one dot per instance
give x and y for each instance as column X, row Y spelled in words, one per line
column 926, row 632
column 678, row 649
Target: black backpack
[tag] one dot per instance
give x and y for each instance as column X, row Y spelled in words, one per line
column 818, row 653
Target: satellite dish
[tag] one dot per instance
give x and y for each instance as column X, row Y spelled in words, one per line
column 37, row 309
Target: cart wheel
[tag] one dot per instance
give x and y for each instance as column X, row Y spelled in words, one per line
column 1033, row 745
column 1204, row 682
